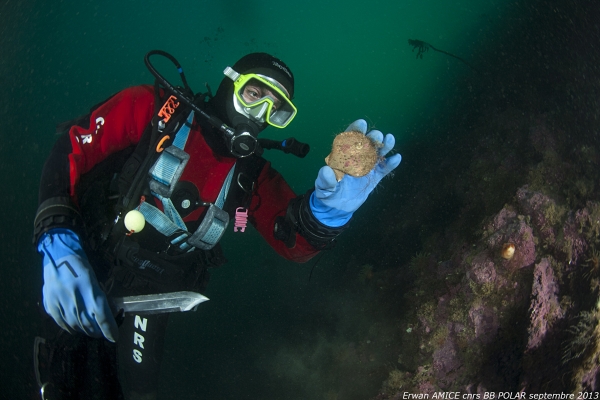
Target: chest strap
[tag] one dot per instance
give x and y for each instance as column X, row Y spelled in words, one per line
column 169, row 166
column 164, row 175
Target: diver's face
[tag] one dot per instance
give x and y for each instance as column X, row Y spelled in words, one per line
column 254, row 91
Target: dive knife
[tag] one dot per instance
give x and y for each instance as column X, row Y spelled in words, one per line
column 159, row 303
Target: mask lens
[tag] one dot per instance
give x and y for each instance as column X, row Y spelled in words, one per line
column 259, row 111
column 255, row 92
column 264, row 99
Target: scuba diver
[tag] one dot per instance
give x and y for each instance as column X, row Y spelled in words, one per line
column 134, row 198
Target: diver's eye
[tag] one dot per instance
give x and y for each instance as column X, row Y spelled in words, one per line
column 252, row 93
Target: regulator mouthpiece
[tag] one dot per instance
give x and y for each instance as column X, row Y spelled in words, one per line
column 241, row 142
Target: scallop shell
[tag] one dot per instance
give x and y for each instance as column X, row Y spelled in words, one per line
column 508, row 251
column 352, row 153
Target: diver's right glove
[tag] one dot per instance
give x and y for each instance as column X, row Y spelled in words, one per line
column 71, row 293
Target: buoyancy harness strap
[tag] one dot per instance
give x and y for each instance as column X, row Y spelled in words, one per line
column 169, row 166
column 132, row 180
column 164, row 175
column 169, row 223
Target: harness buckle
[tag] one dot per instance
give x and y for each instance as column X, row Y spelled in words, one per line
column 167, row 170
column 211, row 229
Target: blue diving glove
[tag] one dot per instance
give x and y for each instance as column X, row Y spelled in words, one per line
column 333, row 202
column 71, row 293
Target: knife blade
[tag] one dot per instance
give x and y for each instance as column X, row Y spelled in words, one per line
column 159, row 303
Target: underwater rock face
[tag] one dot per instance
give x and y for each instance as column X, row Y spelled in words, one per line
column 511, row 310
column 591, row 378
column 485, row 321
column 508, row 227
column 539, row 207
column 567, row 234
column 446, row 362
column 502, row 219
column 574, row 245
column 545, row 307
column 584, row 228
column 483, row 271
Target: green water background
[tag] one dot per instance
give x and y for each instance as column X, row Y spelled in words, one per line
column 266, row 330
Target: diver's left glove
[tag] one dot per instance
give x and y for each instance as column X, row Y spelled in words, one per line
column 333, row 202
column 71, row 293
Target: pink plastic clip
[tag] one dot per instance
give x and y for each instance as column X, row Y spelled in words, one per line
column 241, row 219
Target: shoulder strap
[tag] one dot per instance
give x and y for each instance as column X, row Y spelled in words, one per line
column 131, row 181
column 132, row 165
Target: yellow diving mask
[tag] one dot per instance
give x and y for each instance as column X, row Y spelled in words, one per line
column 261, row 98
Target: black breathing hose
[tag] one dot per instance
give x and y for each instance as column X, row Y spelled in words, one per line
column 288, row 146
column 180, row 95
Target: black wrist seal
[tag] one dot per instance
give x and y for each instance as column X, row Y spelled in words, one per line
column 300, row 219
column 56, row 212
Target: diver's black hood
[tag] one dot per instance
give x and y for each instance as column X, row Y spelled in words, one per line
column 260, row 63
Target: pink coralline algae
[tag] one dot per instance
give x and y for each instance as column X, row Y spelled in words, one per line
column 561, row 232
column 446, row 362
column 522, row 237
column 587, row 222
column 591, row 379
column 536, row 205
column 426, row 387
column 574, row 245
column 503, row 218
column 482, row 271
column 583, row 216
column 545, row 307
column 485, row 321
